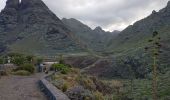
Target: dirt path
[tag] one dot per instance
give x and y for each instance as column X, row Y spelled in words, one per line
column 21, row 88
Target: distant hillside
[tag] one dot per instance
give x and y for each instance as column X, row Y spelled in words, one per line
column 30, row 27
column 128, row 46
column 95, row 39
column 135, row 36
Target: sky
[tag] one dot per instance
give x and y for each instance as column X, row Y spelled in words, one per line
column 109, row 14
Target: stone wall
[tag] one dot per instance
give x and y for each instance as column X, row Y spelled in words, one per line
column 51, row 91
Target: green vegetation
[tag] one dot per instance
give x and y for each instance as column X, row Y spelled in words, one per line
column 27, row 67
column 1, row 60
column 61, row 60
column 154, row 48
column 76, row 85
column 21, row 73
column 26, row 63
column 64, row 69
column 64, row 87
column 18, row 60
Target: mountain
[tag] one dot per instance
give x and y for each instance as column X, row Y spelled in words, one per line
column 30, row 27
column 129, row 47
column 135, row 36
column 95, row 39
column 99, row 30
column 115, row 32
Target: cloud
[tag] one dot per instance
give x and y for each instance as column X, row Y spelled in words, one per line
column 109, row 14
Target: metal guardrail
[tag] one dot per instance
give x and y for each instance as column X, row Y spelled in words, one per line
column 51, row 91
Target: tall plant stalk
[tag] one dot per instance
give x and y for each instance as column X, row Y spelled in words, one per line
column 154, row 48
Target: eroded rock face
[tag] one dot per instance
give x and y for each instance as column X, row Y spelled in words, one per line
column 9, row 15
column 12, row 4
column 32, row 19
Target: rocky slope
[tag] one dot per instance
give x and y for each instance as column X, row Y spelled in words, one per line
column 136, row 35
column 95, row 39
column 131, row 43
column 31, row 27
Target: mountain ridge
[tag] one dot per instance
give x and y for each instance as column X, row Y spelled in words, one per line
column 32, row 19
column 96, row 39
column 143, row 28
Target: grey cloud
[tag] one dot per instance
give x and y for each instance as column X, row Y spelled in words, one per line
column 109, row 14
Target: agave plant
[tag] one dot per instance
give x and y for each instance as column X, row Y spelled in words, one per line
column 154, row 49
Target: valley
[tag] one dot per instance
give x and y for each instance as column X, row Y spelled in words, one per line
column 93, row 64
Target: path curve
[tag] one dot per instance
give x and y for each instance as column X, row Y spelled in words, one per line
column 21, row 88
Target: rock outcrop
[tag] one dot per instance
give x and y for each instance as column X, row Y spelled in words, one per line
column 30, row 24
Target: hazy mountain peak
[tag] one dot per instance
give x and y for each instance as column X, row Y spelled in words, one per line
column 71, row 20
column 154, row 12
column 115, row 32
column 75, row 24
column 99, row 30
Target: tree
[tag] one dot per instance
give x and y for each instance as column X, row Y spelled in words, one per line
column 1, row 60
column 61, row 60
column 18, row 60
column 39, row 61
column 30, row 58
column 154, row 49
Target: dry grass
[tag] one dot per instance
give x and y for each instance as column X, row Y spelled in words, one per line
column 98, row 88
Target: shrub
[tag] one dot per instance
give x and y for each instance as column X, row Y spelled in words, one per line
column 86, row 82
column 29, row 58
column 64, row 87
column 58, row 66
column 79, row 93
column 27, row 67
column 18, row 60
column 39, row 60
column 61, row 60
column 98, row 96
column 102, row 86
column 22, row 73
column 65, row 70
column 1, row 61
column 61, row 67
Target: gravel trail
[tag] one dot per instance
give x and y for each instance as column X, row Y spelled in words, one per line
column 21, row 88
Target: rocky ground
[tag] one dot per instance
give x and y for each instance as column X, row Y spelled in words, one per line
column 21, row 88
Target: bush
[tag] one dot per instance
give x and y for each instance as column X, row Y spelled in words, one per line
column 61, row 67
column 18, row 60
column 27, row 67
column 61, row 60
column 39, row 60
column 86, row 82
column 64, row 87
column 98, row 96
column 22, row 73
column 79, row 93
column 65, row 70
column 29, row 58
column 1, row 61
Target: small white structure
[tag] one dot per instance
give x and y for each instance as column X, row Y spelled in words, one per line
column 46, row 65
column 9, row 60
column 49, row 63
